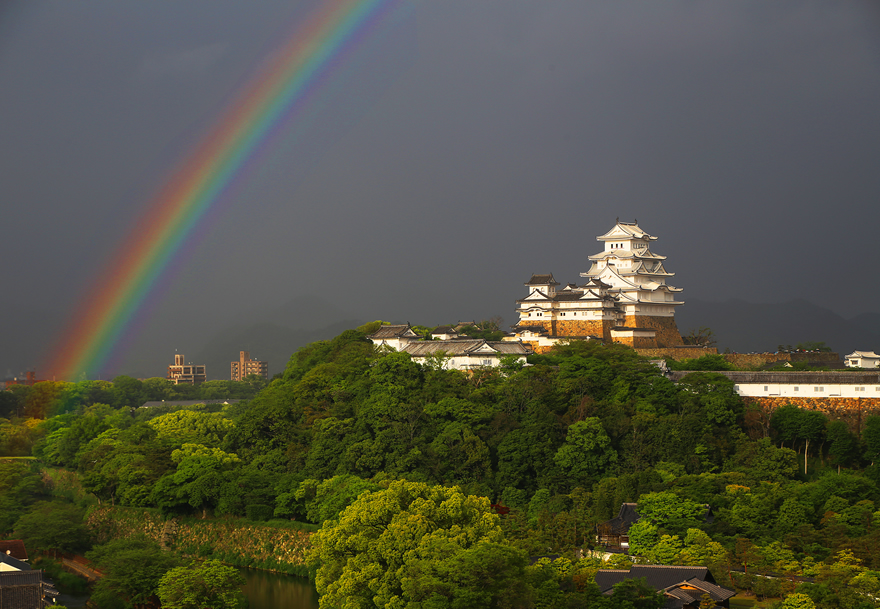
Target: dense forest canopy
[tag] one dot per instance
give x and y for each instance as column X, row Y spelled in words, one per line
column 556, row 446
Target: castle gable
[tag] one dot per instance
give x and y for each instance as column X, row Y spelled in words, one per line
column 537, row 295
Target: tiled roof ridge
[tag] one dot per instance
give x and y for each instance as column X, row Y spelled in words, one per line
column 670, row 566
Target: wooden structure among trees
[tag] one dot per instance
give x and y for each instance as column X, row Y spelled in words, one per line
column 614, row 533
column 25, row 590
column 683, row 587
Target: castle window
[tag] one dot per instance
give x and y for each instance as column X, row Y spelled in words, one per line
column 797, row 388
column 818, row 389
column 766, row 388
column 860, row 388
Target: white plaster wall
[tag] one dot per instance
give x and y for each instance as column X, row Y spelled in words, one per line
column 760, row 390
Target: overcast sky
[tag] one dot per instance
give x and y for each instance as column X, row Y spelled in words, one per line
column 458, row 151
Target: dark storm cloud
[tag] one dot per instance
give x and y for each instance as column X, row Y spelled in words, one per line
column 475, row 143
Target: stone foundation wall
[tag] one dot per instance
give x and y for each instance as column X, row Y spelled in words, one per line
column 637, row 342
column 677, row 353
column 584, row 327
column 536, row 348
column 546, row 323
column 853, row 411
column 757, row 360
column 667, row 332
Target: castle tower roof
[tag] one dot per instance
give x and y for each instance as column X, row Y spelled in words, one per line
column 625, row 230
column 634, row 273
column 542, row 280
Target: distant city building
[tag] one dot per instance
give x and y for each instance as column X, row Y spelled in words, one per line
column 625, row 300
column 863, row 359
column 30, row 379
column 245, row 366
column 182, row 373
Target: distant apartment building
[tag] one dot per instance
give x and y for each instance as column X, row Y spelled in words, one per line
column 182, row 373
column 245, row 366
column 30, row 379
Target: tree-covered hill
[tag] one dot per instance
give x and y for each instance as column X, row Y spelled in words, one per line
column 560, row 443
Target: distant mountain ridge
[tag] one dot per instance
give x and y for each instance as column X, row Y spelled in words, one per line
column 744, row 327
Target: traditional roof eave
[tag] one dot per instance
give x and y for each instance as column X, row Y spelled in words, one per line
column 630, row 228
column 542, row 280
column 646, row 255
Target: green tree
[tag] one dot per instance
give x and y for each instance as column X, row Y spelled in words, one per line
column 207, row 584
column 198, row 480
column 53, row 526
column 369, row 555
column 843, row 447
column 635, row 594
column 587, row 452
column 132, row 569
column 20, row 486
column 871, row 438
column 669, row 511
column 797, row 601
column 486, row 574
column 190, row 427
column 701, row 337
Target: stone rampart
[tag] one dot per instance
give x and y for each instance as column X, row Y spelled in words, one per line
column 851, row 410
column 666, row 330
column 758, row 360
column 547, row 324
column 584, row 327
column 677, row 353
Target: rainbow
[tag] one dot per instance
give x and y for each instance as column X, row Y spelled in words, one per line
column 221, row 157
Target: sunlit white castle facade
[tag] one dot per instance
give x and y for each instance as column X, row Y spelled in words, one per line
column 625, row 299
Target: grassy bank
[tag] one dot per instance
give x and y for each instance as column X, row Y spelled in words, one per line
column 277, row 545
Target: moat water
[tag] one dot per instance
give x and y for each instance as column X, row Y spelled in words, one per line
column 266, row 590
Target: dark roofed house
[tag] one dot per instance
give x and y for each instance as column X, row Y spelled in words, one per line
column 394, row 336
column 13, row 548
column 467, row 354
column 444, row 333
column 542, row 280
column 8, row 563
column 22, row 587
column 682, row 586
column 614, row 533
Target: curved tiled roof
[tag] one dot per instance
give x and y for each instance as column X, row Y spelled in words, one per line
column 542, row 280
column 391, row 331
column 464, row 347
